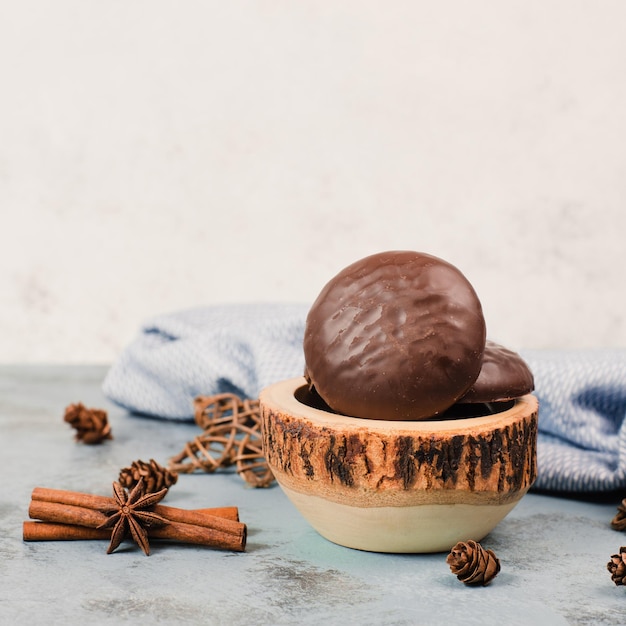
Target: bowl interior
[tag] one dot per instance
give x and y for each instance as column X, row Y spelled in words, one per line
column 309, row 397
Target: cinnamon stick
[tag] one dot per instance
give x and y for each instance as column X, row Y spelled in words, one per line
column 197, row 518
column 66, row 514
column 82, row 516
column 64, row 511
column 201, row 535
column 226, row 512
column 73, row 498
column 173, row 531
column 103, row 503
column 51, row 531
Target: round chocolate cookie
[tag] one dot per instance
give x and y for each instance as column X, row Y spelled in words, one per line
column 397, row 336
column 504, row 375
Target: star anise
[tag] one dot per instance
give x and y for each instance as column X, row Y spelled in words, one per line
column 132, row 514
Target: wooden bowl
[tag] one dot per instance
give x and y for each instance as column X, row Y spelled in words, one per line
column 397, row 486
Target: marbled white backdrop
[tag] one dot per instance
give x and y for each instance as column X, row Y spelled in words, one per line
column 160, row 155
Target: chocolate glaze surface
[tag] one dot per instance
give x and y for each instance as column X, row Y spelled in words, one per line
column 504, row 375
column 397, row 335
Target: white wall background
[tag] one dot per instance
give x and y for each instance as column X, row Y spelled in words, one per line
column 158, row 155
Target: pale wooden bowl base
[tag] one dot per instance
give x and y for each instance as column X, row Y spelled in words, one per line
column 408, row 529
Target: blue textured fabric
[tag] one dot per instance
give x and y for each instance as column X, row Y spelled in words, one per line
column 582, row 430
column 243, row 348
column 205, row 351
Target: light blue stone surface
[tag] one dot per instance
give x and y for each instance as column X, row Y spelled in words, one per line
column 553, row 551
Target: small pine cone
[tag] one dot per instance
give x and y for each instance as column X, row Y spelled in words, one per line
column 155, row 476
column 617, row 567
column 91, row 425
column 619, row 521
column 472, row 564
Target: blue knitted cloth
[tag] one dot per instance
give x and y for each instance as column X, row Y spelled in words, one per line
column 243, row 348
column 205, row 351
column 582, row 430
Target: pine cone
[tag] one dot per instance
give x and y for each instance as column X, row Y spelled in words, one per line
column 472, row 564
column 617, row 567
column 619, row 521
column 155, row 476
column 92, row 425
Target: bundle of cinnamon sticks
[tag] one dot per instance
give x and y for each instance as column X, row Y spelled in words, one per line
column 69, row 515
